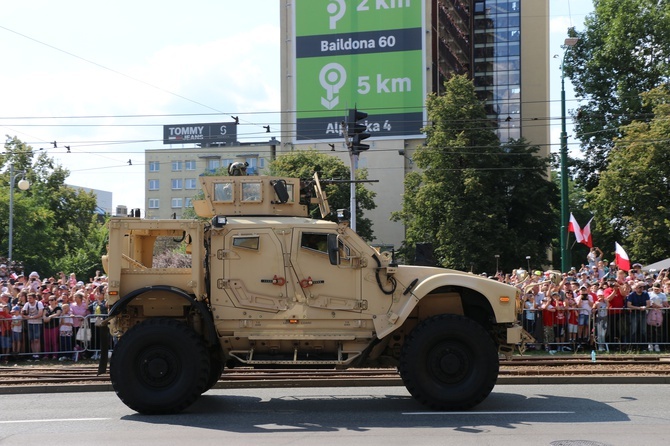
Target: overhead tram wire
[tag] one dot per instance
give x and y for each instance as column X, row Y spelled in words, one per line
column 110, row 69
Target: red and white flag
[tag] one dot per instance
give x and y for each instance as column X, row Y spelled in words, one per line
column 587, row 238
column 621, row 258
column 573, row 226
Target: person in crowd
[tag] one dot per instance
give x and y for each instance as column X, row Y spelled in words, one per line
column 529, row 312
column 97, row 308
column 560, row 321
column 636, row 303
column 585, row 305
column 52, row 314
column 66, row 332
column 600, row 310
column 34, row 282
column 657, row 304
column 615, row 294
column 17, row 330
column 5, row 332
column 33, row 311
column 637, row 271
column 573, row 318
column 594, row 256
column 548, row 322
column 79, row 310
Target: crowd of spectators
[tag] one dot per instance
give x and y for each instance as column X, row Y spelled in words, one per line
column 42, row 318
column 595, row 306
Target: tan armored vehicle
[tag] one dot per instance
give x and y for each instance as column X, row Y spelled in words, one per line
column 271, row 287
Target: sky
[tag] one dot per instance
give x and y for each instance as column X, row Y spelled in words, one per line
column 104, row 77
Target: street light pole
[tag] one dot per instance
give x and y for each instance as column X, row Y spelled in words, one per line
column 23, row 185
column 565, row 252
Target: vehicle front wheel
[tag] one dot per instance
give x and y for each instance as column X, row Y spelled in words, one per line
column 449, row 362
column 159, row 366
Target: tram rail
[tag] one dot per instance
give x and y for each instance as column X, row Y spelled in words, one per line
column 523, row 366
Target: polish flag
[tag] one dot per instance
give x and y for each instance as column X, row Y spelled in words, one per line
column 621, row 258
column 573, row 226
column 587, row 238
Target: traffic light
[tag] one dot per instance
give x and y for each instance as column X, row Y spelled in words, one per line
column 356, row 131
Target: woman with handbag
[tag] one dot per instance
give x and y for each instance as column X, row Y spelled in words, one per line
column 79, row 310
column 656, row 305
column 97, row 309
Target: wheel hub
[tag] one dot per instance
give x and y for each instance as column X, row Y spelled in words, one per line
column 449, row 364
column 158, row 367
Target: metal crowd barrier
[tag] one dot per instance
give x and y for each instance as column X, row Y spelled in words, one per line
column 55, row 343
column 618, row 329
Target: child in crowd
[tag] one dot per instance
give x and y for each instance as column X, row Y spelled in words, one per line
column 17, row 330
column 66, row 330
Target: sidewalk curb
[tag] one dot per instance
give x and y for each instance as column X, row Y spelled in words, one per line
column 371, row 382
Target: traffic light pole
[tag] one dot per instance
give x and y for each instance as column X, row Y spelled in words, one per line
column 354, row 131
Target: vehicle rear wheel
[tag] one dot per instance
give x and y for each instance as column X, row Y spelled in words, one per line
column 449, row 362
column 159, row 366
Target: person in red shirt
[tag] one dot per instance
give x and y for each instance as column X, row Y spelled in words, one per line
column 5, row 332
column 615, row 295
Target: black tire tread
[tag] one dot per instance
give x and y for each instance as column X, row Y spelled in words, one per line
column 464, row 330
column 174, row 334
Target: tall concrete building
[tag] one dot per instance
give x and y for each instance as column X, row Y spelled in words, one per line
column 384, row 56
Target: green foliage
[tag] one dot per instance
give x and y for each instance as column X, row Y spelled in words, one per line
column 55, row 227
column 474, row 198
column 303, row 165
column 623, row 51
column 632, row 201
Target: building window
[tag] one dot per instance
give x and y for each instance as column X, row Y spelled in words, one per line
column 177, row 203
column 190, row 183
column 213, row 164
column 154, row 166
column 176, row 166
column 188, row 202
column 154, row 203
column 189, row 164
column 154, row 184
column 177, row 184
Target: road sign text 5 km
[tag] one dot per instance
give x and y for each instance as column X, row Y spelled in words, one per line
column 383, row 85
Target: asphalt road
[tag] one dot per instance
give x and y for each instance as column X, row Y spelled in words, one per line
column 512, row 415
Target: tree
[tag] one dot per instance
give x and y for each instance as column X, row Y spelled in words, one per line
column 623, row 51
column 632, row 200
column 303, row 164
column 55, row 227
column 474, row 198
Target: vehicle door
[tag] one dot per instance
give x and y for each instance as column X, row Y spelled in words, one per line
column 333, row 287
column 254, row 269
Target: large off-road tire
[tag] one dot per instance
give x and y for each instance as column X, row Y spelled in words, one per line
column 159, row 366
column 449, row 362
column 215, row 371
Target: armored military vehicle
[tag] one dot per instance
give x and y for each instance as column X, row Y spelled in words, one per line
column 270, row 287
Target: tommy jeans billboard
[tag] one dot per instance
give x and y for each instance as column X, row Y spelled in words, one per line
column 200, row 133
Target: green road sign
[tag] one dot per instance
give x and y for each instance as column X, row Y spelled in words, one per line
column 365, row 53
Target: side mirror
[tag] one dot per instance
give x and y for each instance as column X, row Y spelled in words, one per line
column 333, row 249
